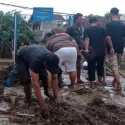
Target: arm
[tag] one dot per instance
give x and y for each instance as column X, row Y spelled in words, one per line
column 86, row 44
column 36, row 86
column 55, row 84
column 108, row 39
column 109, row 44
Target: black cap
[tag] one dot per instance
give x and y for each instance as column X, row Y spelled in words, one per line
column 114, row 11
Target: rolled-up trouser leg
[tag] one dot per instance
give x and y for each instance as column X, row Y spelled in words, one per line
column 115, row 69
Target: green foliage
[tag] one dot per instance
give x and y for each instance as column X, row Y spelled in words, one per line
column 24, row 33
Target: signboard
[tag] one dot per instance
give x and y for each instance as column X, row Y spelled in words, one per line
column 42, row 14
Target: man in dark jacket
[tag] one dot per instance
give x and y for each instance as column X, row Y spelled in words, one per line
column 95, row 46
column 34, row 61
column 77, row 32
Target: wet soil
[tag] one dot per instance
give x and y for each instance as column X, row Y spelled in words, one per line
column 68, row 111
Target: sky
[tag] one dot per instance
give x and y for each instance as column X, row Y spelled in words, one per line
column 86, row 7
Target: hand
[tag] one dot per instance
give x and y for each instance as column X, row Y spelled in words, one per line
column 44, row 108
column 84, row 51
column 59, row 98
column 56, row 99
column 44, row 111
column 112, row 51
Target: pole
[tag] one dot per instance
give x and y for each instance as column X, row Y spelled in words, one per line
column 15, row 37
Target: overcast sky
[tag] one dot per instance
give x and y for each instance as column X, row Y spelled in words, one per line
column 86, row 7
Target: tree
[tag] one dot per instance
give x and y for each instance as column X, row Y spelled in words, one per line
column 24, row 32
column 5, row 33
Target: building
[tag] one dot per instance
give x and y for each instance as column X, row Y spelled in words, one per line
column 42, row 27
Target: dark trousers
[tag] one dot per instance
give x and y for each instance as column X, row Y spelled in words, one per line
column 96, row 65
column 21, row 72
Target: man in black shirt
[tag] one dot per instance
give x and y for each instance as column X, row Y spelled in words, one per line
column 34, row 61
column 95, row 47
column 116, row 32
column 77, row 32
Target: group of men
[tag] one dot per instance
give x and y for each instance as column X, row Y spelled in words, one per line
column 102, row 42
column 63, row 54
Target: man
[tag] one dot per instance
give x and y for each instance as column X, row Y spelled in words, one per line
column 66, row 49
column 77, row 32
column 95, row 49
column 34, row 61
column 116, row 32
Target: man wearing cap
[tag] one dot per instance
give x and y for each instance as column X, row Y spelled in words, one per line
column 77, row 32
column 32, row 63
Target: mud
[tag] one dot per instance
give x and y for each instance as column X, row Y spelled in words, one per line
column 68, row 111
column 105, row 114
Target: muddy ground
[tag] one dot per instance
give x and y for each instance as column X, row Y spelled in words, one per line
column 84, row 106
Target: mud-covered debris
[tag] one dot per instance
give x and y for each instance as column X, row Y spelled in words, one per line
column 4, row 106
column 82, row 91
column 96, row 101
column 68, row 111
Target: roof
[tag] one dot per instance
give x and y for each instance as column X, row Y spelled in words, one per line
column 58, row 17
